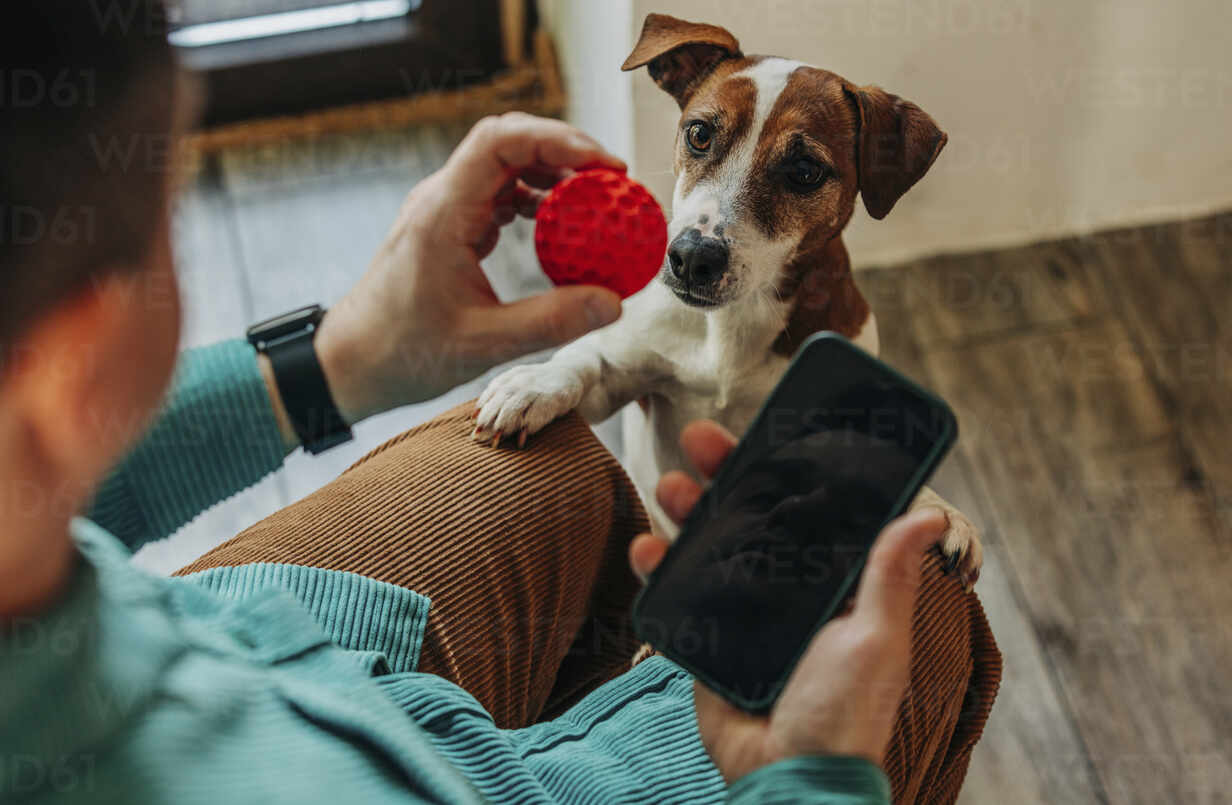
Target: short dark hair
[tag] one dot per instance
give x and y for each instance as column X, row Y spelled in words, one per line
column 86, row 99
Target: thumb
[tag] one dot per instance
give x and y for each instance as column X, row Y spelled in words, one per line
column 891, row 577
column 556, row 317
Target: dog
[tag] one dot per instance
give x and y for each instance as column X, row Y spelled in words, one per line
column 770, row 156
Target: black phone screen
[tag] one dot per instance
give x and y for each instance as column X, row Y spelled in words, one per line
column 776, row 542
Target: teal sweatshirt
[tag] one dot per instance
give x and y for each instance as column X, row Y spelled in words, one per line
column 279, row 683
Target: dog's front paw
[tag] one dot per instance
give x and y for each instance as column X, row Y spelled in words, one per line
column 523, row 400
column 964, row 552
column 961, row 545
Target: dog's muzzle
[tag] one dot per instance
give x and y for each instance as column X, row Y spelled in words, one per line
column 698, row 264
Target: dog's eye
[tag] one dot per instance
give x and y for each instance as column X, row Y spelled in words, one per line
column 804, row 173
column 699, row 136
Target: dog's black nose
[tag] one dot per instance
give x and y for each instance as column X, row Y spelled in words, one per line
column 697, row 260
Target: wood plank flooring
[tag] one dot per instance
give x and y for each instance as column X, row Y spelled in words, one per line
column 1091, row 377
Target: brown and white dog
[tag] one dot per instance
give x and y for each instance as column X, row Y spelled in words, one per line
column 770, row 155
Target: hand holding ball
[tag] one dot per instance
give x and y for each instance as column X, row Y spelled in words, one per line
column 599, row 227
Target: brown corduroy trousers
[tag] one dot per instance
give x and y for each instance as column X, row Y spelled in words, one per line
column 524, row 555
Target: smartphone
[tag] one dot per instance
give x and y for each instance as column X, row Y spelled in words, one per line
column 777, row 542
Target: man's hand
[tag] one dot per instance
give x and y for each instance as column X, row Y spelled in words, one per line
column 424, row 318
column 843, row 695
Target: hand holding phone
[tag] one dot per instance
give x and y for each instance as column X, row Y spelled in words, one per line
column 844, row 693
column 776, row 544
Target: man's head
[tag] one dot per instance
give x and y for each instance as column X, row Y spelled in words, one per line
column 89, row 315
column 770, row 154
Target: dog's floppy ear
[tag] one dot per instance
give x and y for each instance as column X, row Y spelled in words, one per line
column 898, row 142
column 680, row 53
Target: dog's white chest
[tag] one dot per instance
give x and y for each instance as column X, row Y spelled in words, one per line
column 705, row 387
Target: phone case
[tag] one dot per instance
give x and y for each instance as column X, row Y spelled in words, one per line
column 944, row 442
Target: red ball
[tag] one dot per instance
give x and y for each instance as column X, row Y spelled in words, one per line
column 599, row 227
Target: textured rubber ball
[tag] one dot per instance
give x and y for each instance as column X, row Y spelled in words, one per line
column 599, row 227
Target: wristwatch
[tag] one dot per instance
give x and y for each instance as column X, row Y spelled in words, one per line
column 288, row 342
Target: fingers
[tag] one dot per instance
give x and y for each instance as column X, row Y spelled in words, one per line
column 544, row 179
column 707, row 444
column 645, row 553
column 891, row 578
column 515, row 143
column 552, row 318
column 527, row 199
column 487, row 244
column 677, row 493
column 516, row 197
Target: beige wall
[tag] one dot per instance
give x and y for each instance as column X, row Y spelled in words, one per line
column 1064, row 116
column 592, row 39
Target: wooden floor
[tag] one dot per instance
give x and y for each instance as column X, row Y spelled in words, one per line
column 1092, row 379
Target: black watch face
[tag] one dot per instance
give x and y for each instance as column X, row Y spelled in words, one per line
column 286, row 324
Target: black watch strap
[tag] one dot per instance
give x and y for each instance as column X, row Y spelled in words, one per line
column 288, row 342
